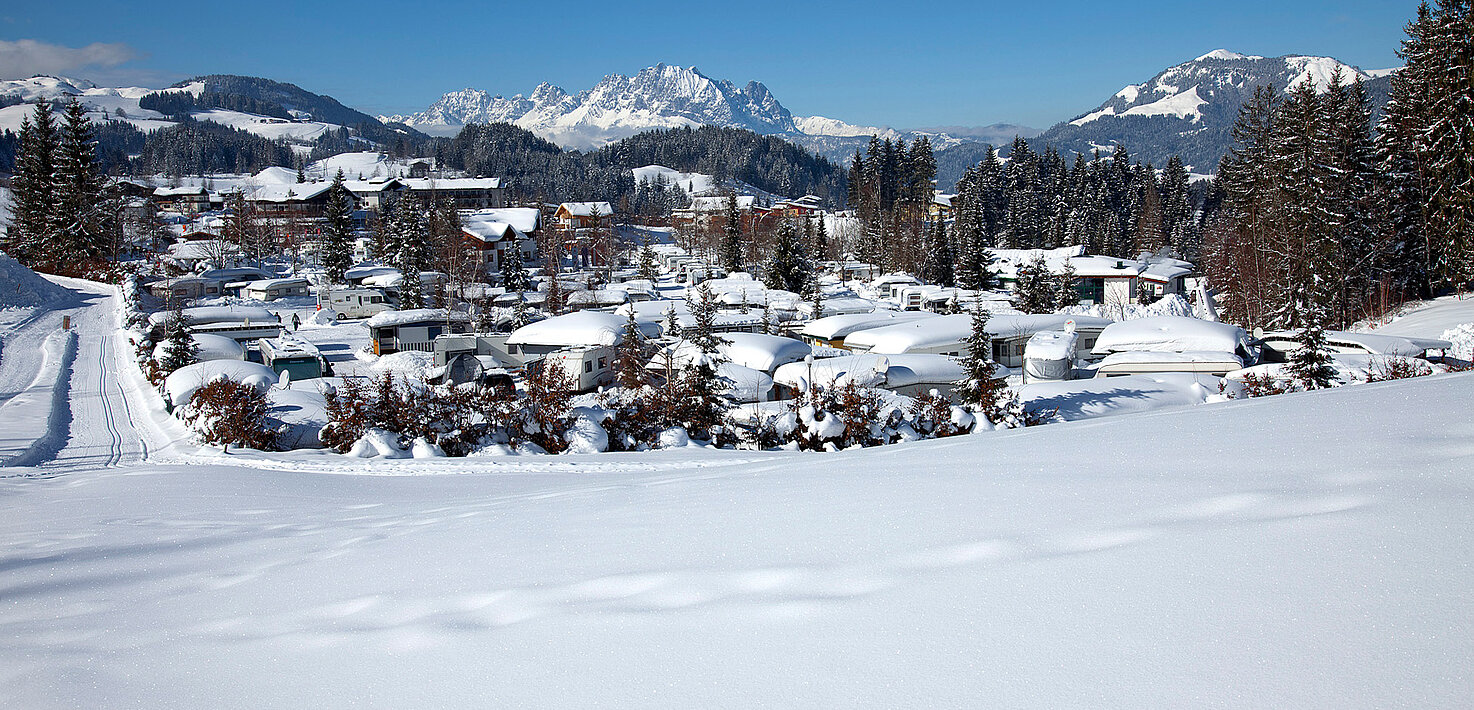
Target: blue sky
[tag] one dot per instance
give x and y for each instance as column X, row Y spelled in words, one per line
column 872, row 63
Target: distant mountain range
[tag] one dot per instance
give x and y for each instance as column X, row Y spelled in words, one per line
column 666, row 96
column 1189, row 109
column 1186, row 110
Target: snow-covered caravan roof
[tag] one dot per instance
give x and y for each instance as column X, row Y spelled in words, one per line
column 363, row 272
column 522, row 219
column 244, row 273
column 1051, row 345
column 835, row 327
column 202, row 315
column 889, row 279
column 388, row 319
column 948, row 330
column 181, row 384
column 264, row 284
column 870, row 371
column 842, row 305
column 1188, row 356
column 579, row 328
column 180, row 191
column 1171, row 334
column 1372, row 343
column 208, row 347
column 758, row 351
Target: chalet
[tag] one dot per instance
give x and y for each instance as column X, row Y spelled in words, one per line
column 476, row 193
column 496, row 235
column 584, row 215
column 709, row 212
column 1103, row 280
column 806, row 206
column 278, row 202
column 373, row 193
column 184, row 200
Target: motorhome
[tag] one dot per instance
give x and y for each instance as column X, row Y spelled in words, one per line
column 589, row 366
column 273, row 289
column 298, row 359
column 948, row 335
column 355, row 302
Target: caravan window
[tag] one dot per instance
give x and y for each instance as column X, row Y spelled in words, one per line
column 588, row 366
column 601, row 363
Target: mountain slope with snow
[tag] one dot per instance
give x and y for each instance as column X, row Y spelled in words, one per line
column 1190, row 108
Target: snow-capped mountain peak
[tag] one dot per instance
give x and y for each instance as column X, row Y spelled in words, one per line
column 662, row 96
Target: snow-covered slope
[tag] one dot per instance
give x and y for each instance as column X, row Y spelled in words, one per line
column 1306, row 550
column 121, row 104
column 1188, row 109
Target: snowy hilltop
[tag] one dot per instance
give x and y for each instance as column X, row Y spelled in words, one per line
column 1189, row 108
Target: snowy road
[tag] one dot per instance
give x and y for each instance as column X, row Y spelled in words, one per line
column 101, row 422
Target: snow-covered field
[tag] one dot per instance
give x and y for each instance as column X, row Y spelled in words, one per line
column 1306, row 550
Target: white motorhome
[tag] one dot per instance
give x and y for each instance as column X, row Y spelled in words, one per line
column 355, row 302
column 948, row 335
column 589, row 366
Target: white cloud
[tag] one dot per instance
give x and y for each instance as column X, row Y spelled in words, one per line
column 24, row 58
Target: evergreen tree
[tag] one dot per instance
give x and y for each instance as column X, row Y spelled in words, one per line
column 1404, row 157
column 180, row 348
column 702, row 389
column 732, row 242
column 1066, row 290
column 513, row 274
column 1034, row 291
column 647, row 269
column 821, row 240
column 1310, row 364
column 35, row 235
column 978, row 390
column 337, row 233
column 86, row 218
column 940, row 259
column 788, row 268
column 631, row 356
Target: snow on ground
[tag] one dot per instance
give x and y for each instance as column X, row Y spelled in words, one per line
column 1307, row 550
column 1087, row 399
column 692, row 183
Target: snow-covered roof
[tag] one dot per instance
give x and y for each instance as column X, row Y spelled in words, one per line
column 833, row 327
column 719, row 203
column 755, row 350
column 1189, row 356
column 182, row 191
column 871, row 371
column 586, row 209
column 415, row 315
column 1171, row 334
column 293, row 192
column 948, row 330
column 181, row 384
column 264, row 284
column 1372, row 343
column 578, row 328
column 523, row 219
column 202, row 315
column 430, row 184
column 1051, row 345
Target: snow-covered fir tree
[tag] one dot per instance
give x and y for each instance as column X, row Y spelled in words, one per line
column 1034, row 291
column 789, row 267
column 337, row 231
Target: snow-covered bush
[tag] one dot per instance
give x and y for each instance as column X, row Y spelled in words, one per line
column 226, row 412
